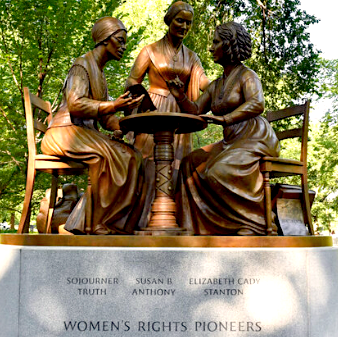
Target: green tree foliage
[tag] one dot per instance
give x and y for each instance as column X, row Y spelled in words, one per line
column 283, row 55
column 323, row 158
column 323, row 173
column 148, row 13
column 329, row 88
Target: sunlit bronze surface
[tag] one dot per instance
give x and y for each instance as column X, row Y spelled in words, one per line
column 159, row 62
column 115, row 169
column 165, row 60
column 220, row 186
column 166, row 241
column 163, row 125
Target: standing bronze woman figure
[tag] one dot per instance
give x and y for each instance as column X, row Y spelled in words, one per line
column 166, row 60
column 115, row 168
column 220, row 185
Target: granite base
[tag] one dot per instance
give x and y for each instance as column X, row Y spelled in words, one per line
column 110, row 291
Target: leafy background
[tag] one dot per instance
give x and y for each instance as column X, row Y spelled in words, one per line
column 40, row 39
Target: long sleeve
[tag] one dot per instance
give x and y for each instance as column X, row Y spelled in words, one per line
column 204, row 82
column 201, row 106
column 139, row 69
column 198, row 80
column 78, row 94
column 253, row 104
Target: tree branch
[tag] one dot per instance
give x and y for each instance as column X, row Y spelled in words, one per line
column 8, row 121
column 9, row 62
column 17, row 163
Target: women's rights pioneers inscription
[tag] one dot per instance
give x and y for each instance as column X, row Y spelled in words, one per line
column 163, row 326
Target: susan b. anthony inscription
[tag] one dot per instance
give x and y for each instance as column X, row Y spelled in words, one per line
column 153, row 286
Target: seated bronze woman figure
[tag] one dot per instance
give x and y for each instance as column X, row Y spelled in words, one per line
column 115, row 168
column 220, row 185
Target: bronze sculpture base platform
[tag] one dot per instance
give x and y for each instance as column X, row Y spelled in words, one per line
column 162, row 232
column 166, row 241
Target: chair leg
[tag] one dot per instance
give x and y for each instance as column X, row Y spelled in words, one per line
column 24, row 224
column 268, row 206
column 52, row 200
column 306, row 205
column 89, row 208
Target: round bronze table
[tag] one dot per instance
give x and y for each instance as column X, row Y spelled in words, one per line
column 163, row 125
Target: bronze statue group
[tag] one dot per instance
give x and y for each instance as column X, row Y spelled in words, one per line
column 219, row 188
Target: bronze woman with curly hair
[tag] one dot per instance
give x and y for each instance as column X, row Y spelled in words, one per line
column 220, row 185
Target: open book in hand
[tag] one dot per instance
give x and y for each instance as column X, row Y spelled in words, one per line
column 146, row 105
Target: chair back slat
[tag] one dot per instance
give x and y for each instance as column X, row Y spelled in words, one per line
column 305, row 132
column 295, row 110
column 286, row 134
column 302, row 132
column 33, row 103
column 40, row 126
column 41, row 104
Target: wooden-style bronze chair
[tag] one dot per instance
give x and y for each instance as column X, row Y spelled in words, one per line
column 272, row 167
column 53, row 165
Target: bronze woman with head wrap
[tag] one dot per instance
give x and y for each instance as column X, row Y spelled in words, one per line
column 105, row 27
column 165, row 60
column 220, row 188
column 115, row 168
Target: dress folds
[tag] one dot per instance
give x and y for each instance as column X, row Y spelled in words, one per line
column 115, row 168
column 157, row 60
column 220, row 186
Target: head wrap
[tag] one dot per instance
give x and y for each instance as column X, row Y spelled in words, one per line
column 105, row 27
column 175, row 8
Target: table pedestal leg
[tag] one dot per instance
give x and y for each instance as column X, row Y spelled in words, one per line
column 163, row 209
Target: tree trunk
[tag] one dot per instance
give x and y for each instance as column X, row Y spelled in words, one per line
column 12, row 220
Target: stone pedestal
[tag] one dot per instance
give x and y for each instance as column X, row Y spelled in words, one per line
column 167, row 291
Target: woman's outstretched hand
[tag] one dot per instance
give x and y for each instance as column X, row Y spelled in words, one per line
column 213, row 119
column 126, row 102
column 176, row 87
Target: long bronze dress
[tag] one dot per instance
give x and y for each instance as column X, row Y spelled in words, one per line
column 160, row 62
column 220, row 187
column 115, row 168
